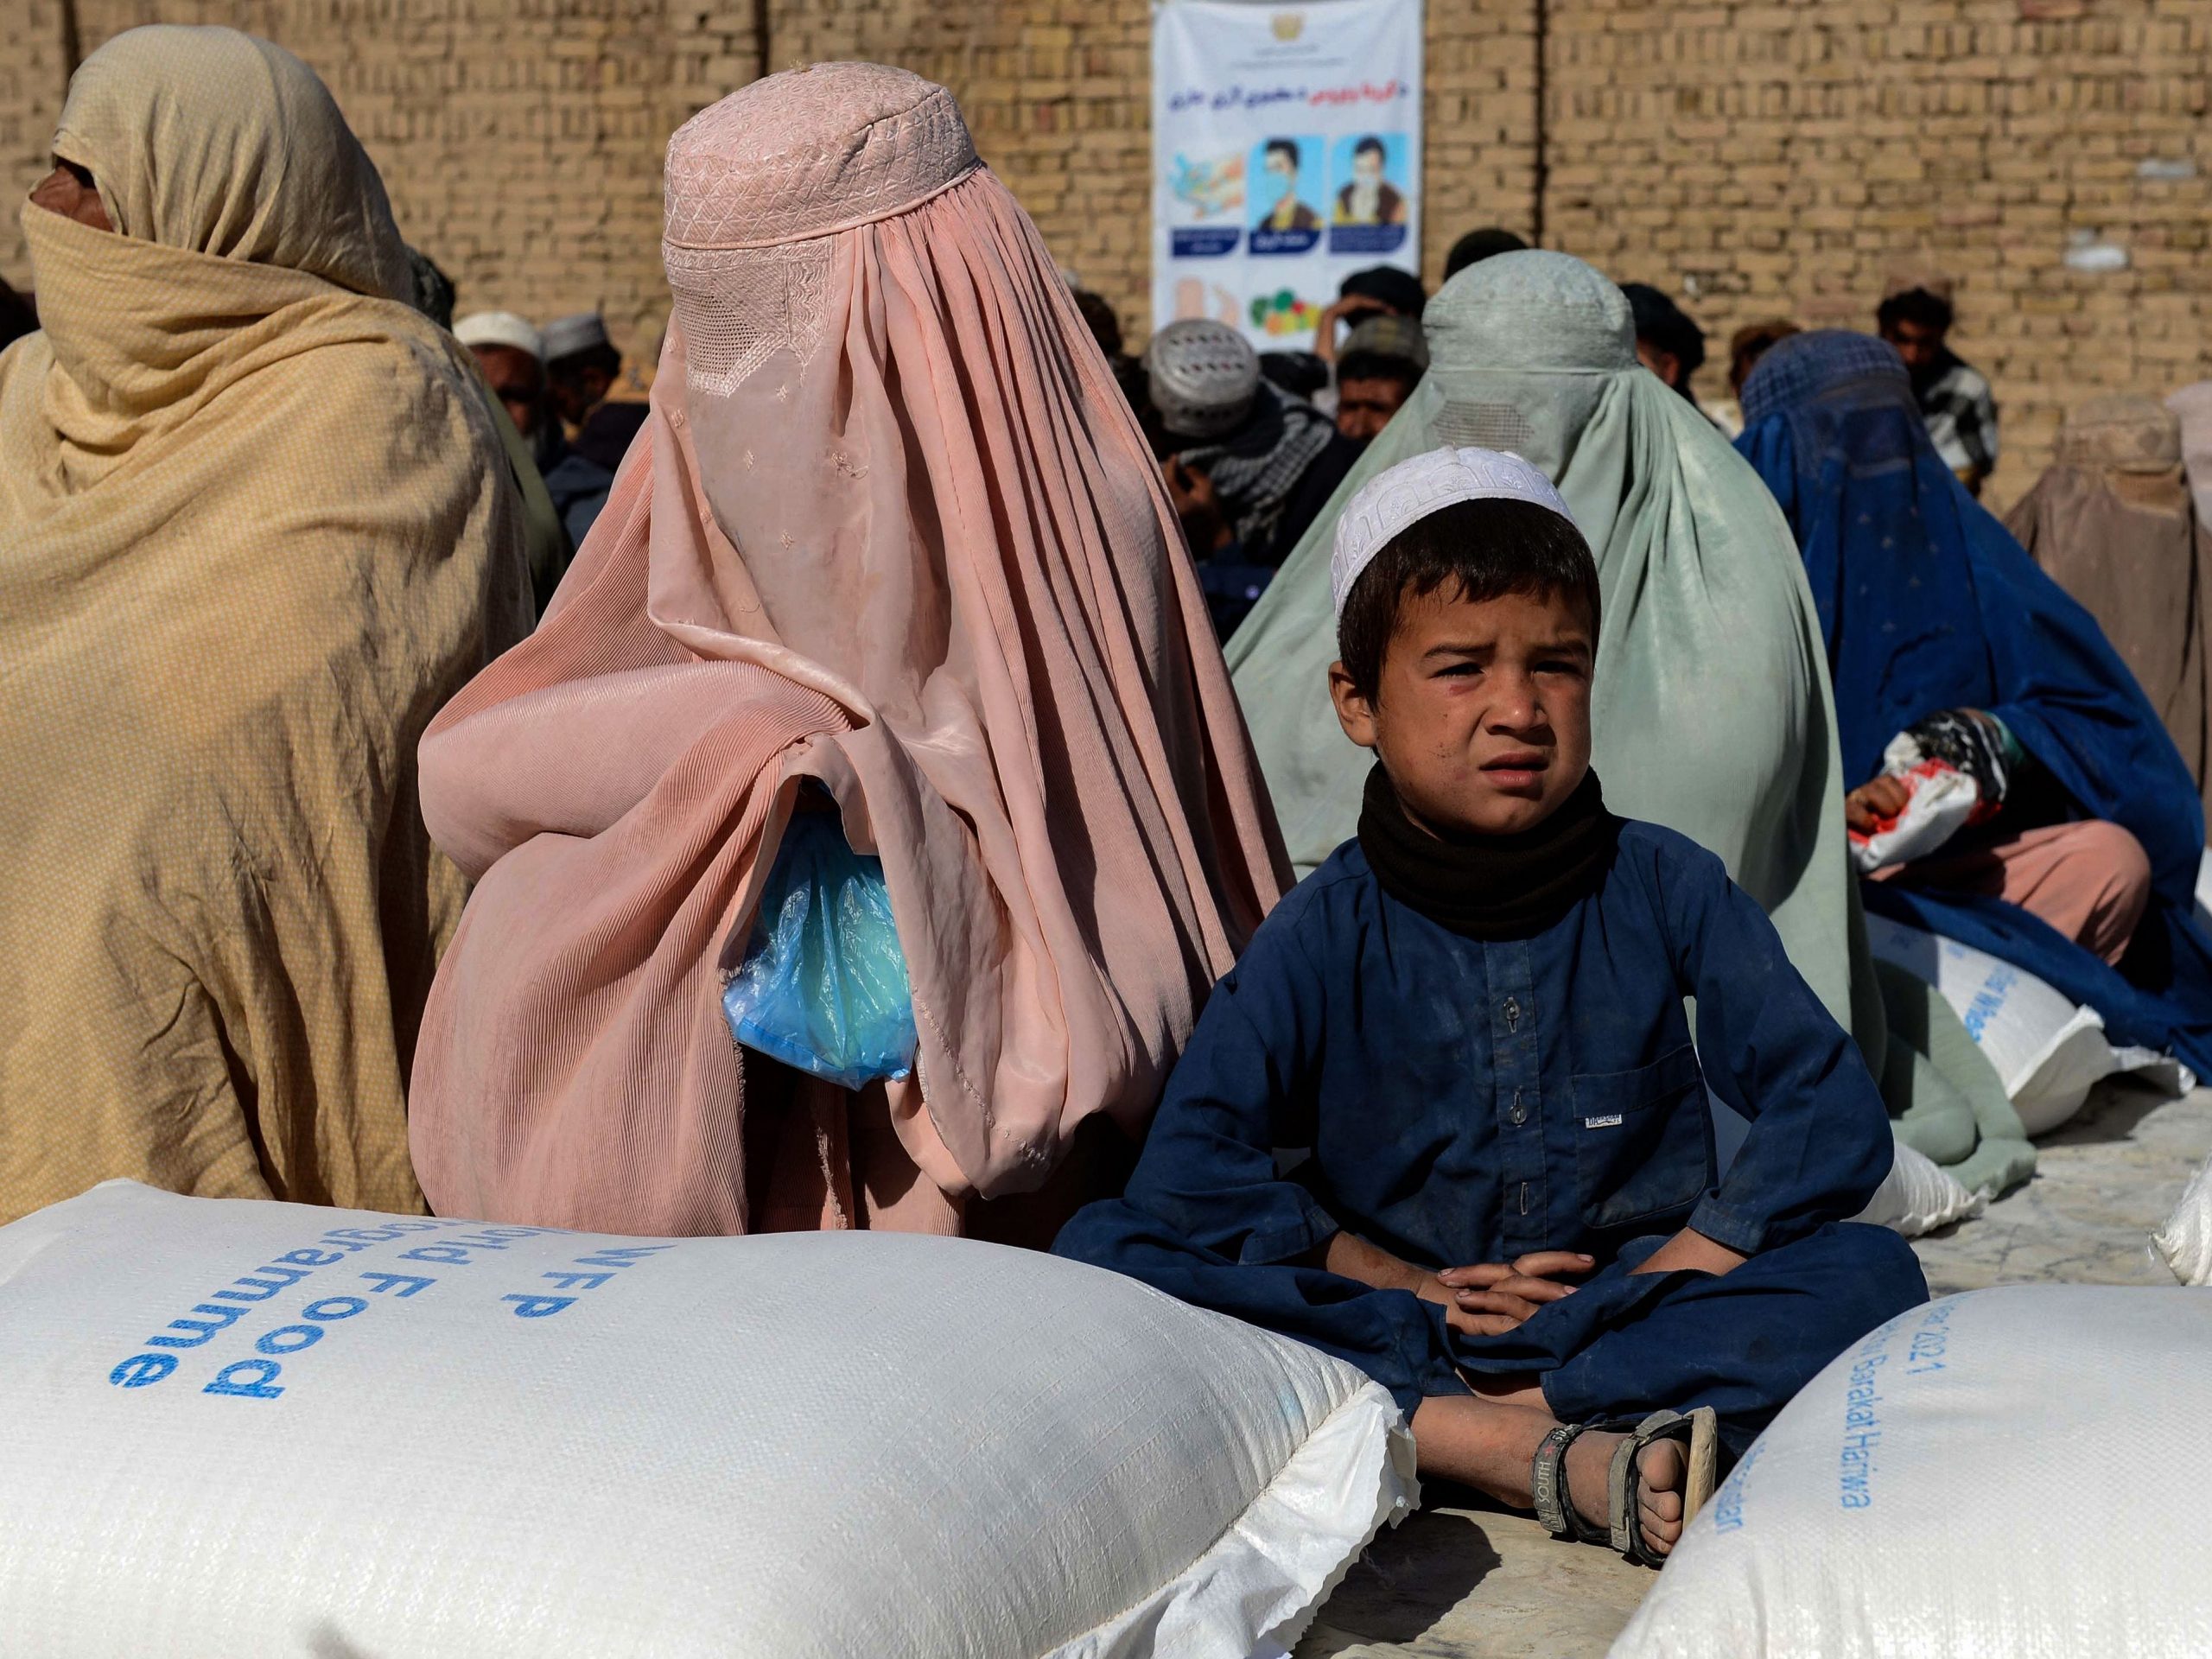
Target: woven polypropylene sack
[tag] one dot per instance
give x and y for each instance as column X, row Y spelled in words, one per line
column 1918, row 1196
column 2185, row 1243
column 2048, row 1050
column 2007, row 1474
column 232, row 1427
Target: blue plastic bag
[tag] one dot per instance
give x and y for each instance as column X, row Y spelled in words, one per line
column 823, row 984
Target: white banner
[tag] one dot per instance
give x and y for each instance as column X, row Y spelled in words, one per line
column 1286, row 156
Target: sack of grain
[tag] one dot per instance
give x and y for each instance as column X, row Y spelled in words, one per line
column 2048, row 1051
column 234, row 1427
column 2011, row 1472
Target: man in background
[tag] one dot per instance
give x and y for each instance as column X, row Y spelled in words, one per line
column 581, row 366
column 1486, row 242
column 1955, row 398
column 1667, row 342
column 1383, row 361
column 510, row 354
column 1379, row 292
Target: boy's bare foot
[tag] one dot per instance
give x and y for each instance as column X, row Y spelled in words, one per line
column 1490, row 1443
column 1663, row 1469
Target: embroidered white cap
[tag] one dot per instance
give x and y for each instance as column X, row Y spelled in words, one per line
column 1204, row 376
column 500, row 329
column 1413, row 489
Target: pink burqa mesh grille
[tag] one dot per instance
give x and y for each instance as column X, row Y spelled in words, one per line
column 898, row 533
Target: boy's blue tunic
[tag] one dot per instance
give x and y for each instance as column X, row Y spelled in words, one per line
column 1469, row 1101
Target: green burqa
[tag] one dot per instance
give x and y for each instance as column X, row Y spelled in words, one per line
column 1711, row 712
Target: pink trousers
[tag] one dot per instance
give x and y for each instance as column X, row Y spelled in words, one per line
column 2089, row 880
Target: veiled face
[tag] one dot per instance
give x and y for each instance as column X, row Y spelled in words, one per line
column 70, row 192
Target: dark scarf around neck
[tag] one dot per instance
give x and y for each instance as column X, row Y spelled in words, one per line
column 1489, row 886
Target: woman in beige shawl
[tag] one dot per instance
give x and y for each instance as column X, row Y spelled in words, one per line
column 890, row 527
column 255, row 526
column 2114, row 521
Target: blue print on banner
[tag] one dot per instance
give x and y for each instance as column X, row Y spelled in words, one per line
column 1204, row 241
column 1366, row 239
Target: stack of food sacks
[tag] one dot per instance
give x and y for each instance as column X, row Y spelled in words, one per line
column 234, row 1427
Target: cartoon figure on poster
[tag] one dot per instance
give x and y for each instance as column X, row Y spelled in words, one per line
column 1368, row 210
column 1283, row 221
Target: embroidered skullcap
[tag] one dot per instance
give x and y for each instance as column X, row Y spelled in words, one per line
column 1409, row 491
column 500, row 329
column 1204, row 376
column 808, row 152
column 2122, row 433
column 567, row 336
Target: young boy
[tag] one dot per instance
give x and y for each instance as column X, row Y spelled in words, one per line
column 1474, row 1016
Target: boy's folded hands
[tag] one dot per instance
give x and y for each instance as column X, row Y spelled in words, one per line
column 1485, row 1299
column 1490, row 1298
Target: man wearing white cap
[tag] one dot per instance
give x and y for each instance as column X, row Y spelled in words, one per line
column 511, row 354
column 582, row 367
column 1472, row 1015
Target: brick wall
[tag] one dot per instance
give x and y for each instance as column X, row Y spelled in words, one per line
column 1753, row 159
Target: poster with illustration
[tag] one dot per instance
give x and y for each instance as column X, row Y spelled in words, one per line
column 1370, row 202
column 1286, row 156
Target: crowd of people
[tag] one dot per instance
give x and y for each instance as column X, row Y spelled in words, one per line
column 407, row 725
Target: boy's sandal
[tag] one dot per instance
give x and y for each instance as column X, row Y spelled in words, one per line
column 1697, row 1430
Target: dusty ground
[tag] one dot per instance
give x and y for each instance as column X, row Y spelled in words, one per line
column 1456, row 1582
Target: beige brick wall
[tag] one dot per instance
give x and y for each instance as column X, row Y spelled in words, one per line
column 1754, row 159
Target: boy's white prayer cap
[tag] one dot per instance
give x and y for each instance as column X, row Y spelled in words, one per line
column 1413, row 489
column 500, row 329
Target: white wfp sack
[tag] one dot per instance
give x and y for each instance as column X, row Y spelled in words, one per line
column 2184, row 1243
column 1918, row 1195
column 2009, row 1473
column 2048, row 1051
column 235, row 1428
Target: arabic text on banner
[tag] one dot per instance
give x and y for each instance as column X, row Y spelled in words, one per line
column 1286, row 156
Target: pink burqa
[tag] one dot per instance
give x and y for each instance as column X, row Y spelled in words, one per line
column 889, row 526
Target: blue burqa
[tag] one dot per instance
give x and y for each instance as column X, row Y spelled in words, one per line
column 1927, row 603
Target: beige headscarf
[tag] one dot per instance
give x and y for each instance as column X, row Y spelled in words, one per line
column 255, row 526
column 2113, row 522
column 890, row 526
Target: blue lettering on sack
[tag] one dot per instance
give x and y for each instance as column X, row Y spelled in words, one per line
column 458, row 1243
column 1728, row 1502
column 249, row 1379
column 538, row 1307
column 1989, row 1002
column 1862, row 1421
column 1930, row 1342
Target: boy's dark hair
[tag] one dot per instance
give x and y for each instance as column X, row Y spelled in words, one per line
column 1287, row 147
column 570, row 370
column 1918, row 307
column 1666, row 325
column 1377, row 365
column 1480, row 245
column 1484, row 549
column 1401, row 290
